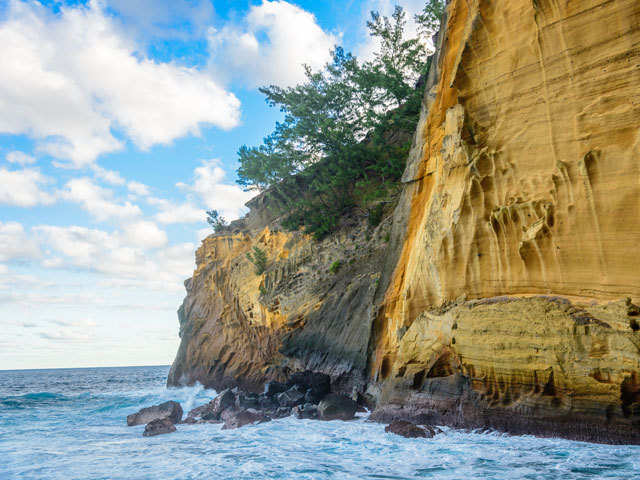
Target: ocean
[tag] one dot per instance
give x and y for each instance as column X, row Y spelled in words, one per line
column 71, row 424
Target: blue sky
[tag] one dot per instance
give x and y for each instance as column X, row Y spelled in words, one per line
column 119, row 126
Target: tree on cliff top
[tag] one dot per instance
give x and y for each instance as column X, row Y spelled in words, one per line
column 346, row 130
column 429, row 18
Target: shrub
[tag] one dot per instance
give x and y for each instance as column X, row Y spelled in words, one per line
column 375, row 215
column 217, row 222
column 335, row 266
column 259, row 259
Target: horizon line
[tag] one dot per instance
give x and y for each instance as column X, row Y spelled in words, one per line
column 79, row 368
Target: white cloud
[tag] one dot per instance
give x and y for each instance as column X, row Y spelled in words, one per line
column 98, row 201
column 83, row 245
column 68, row 79
column 270, row 46
column 228, row 199
column 16, row 244
column 23, row 188
column 138, row 188
column 3, row 269
column 65, row 335
column 109, row 176
column 170, row 213
column 74, row 323
column 120, row 254
column 20, row 158
column 145, row 234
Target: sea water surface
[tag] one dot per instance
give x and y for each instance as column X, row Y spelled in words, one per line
column 71, row 424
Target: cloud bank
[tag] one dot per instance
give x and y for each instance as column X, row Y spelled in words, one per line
column 71, row 80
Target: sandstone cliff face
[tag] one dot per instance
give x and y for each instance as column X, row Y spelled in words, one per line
column 239, row 328
column 505, row 296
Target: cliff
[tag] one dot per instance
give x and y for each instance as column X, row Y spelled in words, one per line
column 501, row 290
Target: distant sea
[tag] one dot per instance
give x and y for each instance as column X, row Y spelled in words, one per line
column 71, row 424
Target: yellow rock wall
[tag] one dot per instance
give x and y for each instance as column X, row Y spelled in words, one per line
column 525, row 184
column 529, row 179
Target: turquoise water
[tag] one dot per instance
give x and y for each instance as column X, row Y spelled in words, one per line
column 70, row 424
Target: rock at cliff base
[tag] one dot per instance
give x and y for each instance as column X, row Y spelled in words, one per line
column 224, row 401
column 337, row 407
column 158, row 427
column 318, row 383
column 306, row 411
column 195, row 414
column 274, row 388
column 409, row 430
column 247, row 400
column 291, row 397
column 281, row 412
column 242, row 418
column 171, row 410
column 267, row 402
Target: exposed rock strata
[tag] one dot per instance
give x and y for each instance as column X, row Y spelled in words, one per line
column 500, row 299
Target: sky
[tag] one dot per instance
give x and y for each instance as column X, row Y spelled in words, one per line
column 119, row 126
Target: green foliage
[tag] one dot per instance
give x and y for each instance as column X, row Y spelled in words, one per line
column 217, row 222
column 259, row 259
column 387, row 237
column 375, row 215
column 429, row 18
column 346, row 131
column 335, row 266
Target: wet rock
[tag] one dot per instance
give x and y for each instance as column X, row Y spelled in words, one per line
column 247, row 400
column 195, row 414
column 171, row 410
column 226, row 400
column 311, row 397
column 336, row 406
column 409, row 430
column 291, row 397
column 274, row 388
column 268, row 402
column 158, row 426
column 318, row 383
column 243, row 417
column 281, row 412
column 306, row 411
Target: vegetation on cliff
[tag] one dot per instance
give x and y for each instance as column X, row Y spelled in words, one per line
column 347, row 129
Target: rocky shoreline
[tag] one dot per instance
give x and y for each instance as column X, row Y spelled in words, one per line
column 306, row 395
column 310, row 395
